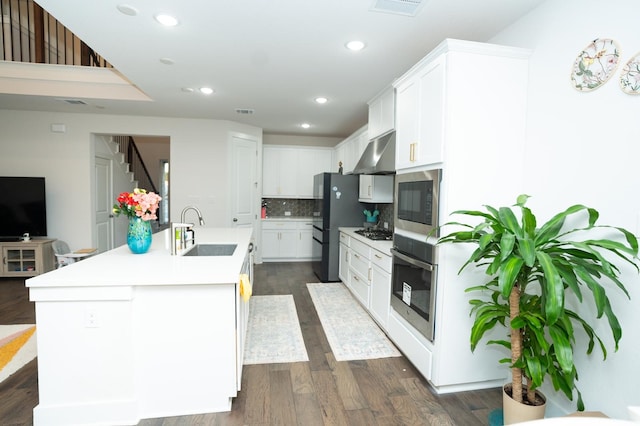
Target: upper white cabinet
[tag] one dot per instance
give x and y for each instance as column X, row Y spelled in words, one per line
column 376, row 189
column 382, row 113
column 311, row 162
column 350, row 150
column 287, row 171
column 440, row 110
column 420, row 106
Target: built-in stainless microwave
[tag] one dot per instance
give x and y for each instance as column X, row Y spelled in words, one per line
column 416, row 201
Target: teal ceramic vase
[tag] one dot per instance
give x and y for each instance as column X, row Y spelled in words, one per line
column 139, row 235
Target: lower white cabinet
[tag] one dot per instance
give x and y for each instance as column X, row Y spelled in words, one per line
column 287, row 240
column 366, row 271
column 380, row 287
column 343, row 265
column 360, row 271
column 305, row 240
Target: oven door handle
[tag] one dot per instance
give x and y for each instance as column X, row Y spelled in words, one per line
column 411, row 260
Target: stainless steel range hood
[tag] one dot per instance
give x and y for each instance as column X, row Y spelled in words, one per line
column 379, row 156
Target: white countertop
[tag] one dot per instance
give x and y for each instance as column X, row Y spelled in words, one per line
column 381, row 245
column 120, row 267
column 292, row 218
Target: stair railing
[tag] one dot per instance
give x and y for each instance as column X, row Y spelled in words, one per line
column 28, row 33
column 128, row 147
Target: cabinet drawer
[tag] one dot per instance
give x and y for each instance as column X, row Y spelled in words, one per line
column 361, row 248
column 360, row 264
column 360, row 288
column 279, row 225
column 345, row 239
column 381, row 260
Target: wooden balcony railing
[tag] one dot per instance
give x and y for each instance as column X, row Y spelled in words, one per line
column 29, row 34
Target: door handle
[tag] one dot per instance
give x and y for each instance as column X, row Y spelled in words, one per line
column 235, row 219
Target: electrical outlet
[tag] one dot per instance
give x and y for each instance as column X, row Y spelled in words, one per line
column 287, row 213
column 91, row 318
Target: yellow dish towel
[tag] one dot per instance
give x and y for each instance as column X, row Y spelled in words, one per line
column 245, row 287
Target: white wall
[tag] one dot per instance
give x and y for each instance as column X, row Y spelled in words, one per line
column 584, row 148
column 199, row 172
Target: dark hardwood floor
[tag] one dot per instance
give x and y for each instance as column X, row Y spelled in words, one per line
column 322, row 391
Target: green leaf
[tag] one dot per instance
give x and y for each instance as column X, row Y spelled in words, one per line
column 554, row 288
column 508, row 219
column 527, row 250
column 562, row 348
column 507, row 242
column 522, row 199
column 508, row 274
column 528, row 222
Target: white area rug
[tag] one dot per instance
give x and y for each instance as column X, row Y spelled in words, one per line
column 17, row 347
column 350, row 330
column 273, row 332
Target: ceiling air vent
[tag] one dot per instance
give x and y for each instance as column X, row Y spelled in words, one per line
column 73, row 101
column 398, row 7
column 245, row 111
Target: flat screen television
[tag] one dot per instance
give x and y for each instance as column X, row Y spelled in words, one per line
column 23, row 207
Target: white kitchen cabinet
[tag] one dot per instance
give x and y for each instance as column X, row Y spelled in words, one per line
column 420, row 115
column 288, row 171
column 350, row 150
column 290, row 240
column 343, row 265
column 360, row 271
column 365, row 268
column 477, row 121
column 310, row 163
column 382, row 113
column 380, row 287
column 304, row 246
column 279, row 172
column 376, row 189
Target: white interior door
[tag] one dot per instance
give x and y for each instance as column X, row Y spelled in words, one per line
column 104, row 200
column 244, row 182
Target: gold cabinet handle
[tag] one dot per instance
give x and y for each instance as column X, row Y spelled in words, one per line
column 412, row 152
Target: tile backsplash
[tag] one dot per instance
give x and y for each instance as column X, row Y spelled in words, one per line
column 298, row 208
column 276, row 207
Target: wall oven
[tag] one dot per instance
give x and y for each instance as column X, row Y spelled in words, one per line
column 416, row 201
column 413, row 287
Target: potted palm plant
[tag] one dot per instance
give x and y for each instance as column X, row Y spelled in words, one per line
column 533, row 272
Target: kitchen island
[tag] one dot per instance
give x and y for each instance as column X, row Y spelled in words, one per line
column 122, row 337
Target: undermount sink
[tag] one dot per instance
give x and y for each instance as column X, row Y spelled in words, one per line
column 211, row 250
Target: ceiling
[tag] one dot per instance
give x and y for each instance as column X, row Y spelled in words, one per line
column 271, row 56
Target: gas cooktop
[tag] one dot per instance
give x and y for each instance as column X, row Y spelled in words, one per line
column 376, row 234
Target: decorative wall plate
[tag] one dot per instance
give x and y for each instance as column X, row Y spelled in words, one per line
column 595, row 65
column 630, row 76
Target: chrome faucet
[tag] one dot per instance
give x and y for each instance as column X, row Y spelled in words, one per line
column 184, row 211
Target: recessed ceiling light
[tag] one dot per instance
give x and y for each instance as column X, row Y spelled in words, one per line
column 206, row 90
column 166, row 20
column 355, row 45
column 305, row 125
column 321, row 100
column 187, row 89
column 167, row 61
column 127, row 10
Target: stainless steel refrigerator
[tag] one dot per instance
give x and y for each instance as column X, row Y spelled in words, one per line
column 335, row 204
